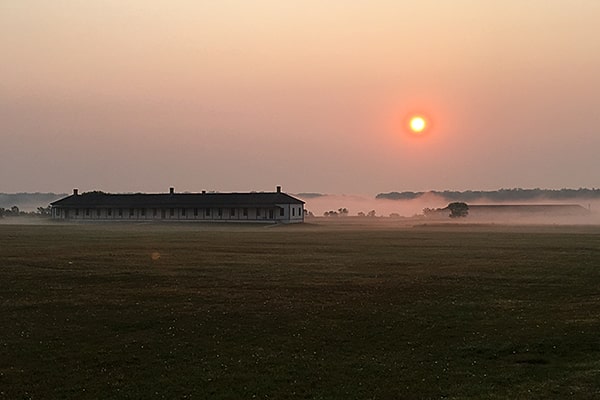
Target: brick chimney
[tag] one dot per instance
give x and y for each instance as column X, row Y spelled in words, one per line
column 75, row 192
column 171, row 190
column 278, row 189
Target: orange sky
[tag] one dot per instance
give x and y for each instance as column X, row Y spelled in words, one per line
column 235, row 95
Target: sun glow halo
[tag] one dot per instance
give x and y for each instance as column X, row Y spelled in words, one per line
column 417, row 124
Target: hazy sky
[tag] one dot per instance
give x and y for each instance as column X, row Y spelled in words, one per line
column 140, row 95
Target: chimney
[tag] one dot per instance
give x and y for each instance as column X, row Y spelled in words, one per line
column 171, row 190
column 204, row 192
column 75, row 192
column 278, row 189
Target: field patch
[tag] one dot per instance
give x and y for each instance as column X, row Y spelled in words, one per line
column 313, row 311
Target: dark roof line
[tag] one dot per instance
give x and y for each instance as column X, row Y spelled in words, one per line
column 100, row 199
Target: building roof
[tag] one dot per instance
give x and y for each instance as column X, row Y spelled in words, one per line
column 167, row 200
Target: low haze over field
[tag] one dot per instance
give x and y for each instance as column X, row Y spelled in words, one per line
column 315, row 96
column 413, row 204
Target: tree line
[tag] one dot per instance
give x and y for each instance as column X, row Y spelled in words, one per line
column 498, row 195
column 14, row 211
column 343, row 212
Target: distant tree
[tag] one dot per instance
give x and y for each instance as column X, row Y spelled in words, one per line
column 433, row 212
column 371, row 213
column 330, row 213
column 458, row 209
column 343, row 212
column 43, row 210
column 14, row 210
column 428, row 211
column 394, row 215
column 361, row 214
column 308, row 214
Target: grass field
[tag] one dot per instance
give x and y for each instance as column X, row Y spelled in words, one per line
column 318, row 311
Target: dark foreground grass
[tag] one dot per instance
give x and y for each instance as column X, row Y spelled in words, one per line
column 171, row 311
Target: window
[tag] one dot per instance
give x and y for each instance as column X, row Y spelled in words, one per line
column 109, row 212
column 258, row 212
column 76, row 211
column 220, row 212
column 293, row 212
column 171, row 212
column 232, row 212
column 208, row 212
column 183, row 212
column 97, row 212
column 270, row 214
column 154, row 212
column 281, row 212
column 131, row 211
column 195, row 212
column 143, row 212
column 120, row 212
column 87, row 212
column 245, row 212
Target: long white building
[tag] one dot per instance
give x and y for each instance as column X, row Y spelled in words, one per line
column 270, row 207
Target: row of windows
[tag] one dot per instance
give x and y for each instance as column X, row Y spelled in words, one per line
column 183, row 212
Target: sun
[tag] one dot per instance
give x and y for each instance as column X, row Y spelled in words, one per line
column 417, row 124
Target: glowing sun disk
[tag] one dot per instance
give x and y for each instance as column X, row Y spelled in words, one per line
column 417, row 124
